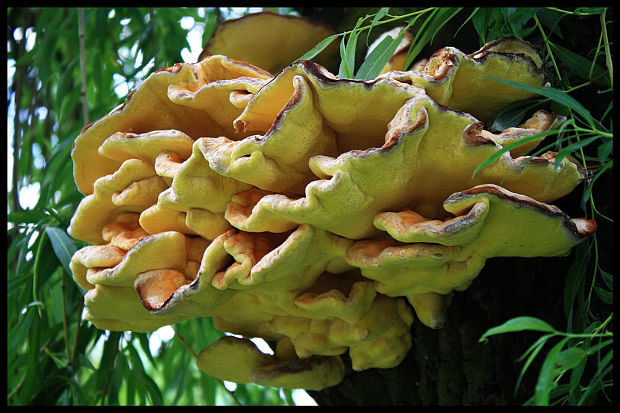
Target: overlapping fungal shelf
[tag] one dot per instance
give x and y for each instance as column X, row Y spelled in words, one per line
column 324, row 215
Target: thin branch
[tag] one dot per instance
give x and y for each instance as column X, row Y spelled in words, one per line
column 83, row 65
column 182, row 340
column 65, row 319
column 608, row 59
column 77, row 329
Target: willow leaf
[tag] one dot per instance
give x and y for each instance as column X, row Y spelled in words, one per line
column 379, row 57
column 320, row 46
column 548, row 372
column 62, row 245
column 495, row 156
column 519, row 324
column 554, row 94
column 378, row 16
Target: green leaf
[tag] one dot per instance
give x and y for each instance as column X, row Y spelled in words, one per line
column 482, row 18
column 63, row 89
column 378, row 16
column 581, row 66
column 606, row 296
column 604, row 150
column 320, row 46
column 347, row 52
column 598, row 347
column 567, row 150
column 378, row 57
column 211, row 23
column 437, row 19
column 518, row 324
column 575, row 275
column 588, row 190
column 29, row 216
column 608, row 279
column 62, row 245
column 533, row 352
column 496, row 155
column 570, row 358
column 511, row 116
column 603, row 369
column 547, row 375
column 556, row 95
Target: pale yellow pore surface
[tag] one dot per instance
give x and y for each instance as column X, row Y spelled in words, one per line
column 132, row 188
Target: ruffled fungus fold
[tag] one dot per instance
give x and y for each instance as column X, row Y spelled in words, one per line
column 468, row 82
column 317, row 213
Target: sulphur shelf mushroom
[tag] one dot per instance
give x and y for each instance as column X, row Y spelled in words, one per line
column 323, row 215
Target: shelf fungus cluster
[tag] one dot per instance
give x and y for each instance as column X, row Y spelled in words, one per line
column 321, row 214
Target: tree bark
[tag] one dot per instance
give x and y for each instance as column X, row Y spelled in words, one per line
column 450, row 366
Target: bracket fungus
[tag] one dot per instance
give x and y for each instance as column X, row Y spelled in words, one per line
column 270, row 40
column 318, row 213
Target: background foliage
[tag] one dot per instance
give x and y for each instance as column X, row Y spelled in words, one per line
column 68, row 67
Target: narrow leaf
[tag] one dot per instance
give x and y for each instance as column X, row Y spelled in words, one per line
column 606, row 296
column 379, row 57
column 496, row 155
column 601, row 372
column 378, row 16
column 547, row 374
column 320, row 46
column 518, row 324
column 437, row 19
column 580, row 65
column 29, row 216
column 570, row 358
column 62, row 245
column 347, row 52
column 533, row 351
column 554, row 94
column 343, row 70
column 564, row 152
column 575, row 276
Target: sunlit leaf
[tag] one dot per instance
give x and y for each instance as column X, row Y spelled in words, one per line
column 320, row 46
column 378, row 57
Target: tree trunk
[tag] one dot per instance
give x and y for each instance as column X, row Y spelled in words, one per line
column 449, row 366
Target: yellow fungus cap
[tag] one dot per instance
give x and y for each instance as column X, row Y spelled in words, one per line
column 460, row 81
column 163, row 101
column 429, row 153
column 270, row 40
column 314, row 212
column 435, row 256
column 239, row 360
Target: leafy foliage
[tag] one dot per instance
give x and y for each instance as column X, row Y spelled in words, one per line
column 53, row 357
column 68, row 67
